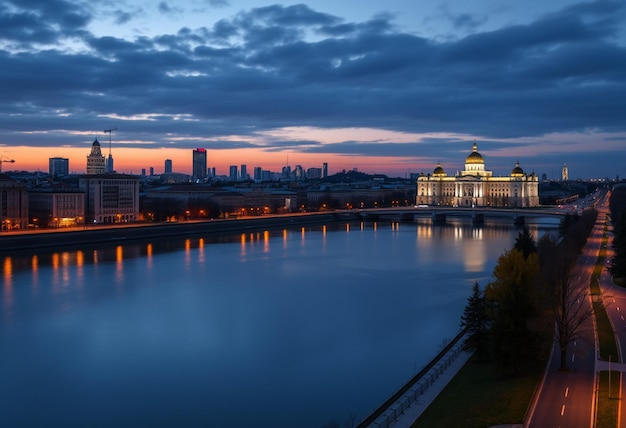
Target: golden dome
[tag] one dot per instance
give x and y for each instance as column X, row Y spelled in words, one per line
column 475, row 157
column 517, row 171
column 439, row 172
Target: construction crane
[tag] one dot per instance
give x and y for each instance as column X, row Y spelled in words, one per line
column 110, row 131
column 5, row 160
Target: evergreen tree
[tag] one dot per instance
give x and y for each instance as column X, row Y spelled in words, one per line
column 475, row 320
column 525, row 242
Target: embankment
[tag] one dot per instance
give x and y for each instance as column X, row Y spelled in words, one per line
column 15, row 241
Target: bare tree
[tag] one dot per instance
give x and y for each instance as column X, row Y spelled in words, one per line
column 566, row 298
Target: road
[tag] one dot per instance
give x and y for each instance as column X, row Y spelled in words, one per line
column 567, row 398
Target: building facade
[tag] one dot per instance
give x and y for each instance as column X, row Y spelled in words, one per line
column 110, row 198
column 476, row 186
column 56, row 207
column 58, row 167
column 96, row 163
column 199, row 166
column 13, row 205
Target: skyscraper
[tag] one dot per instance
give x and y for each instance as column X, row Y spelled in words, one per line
column 233, row 173
column 58, row 167
column 325, row 170
column 95, row 159
column 565, row 173
column 109, row 164
column 168, row 166
column 199, row 171
column 244, row 172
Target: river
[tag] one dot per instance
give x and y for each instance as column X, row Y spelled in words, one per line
column 297, row 327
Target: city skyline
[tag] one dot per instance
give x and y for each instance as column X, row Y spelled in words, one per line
column 389, row 88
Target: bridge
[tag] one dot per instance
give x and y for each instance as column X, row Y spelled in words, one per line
column 478, row 214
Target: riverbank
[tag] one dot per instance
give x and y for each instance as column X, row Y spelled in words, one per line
column 98, row 234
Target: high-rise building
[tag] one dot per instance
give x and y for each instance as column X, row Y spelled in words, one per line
column 109, row 164
column 286, row 173
column 168, row 166
column 258, row 173
column 565, row 173
column 244, row 172
column 325, row 170
column 232, row 176
column 58, row 167
column 95, row 159
column 299, row 173
column 199, row 169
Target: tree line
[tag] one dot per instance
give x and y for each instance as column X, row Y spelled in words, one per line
column 617, row 206
column 532, row 284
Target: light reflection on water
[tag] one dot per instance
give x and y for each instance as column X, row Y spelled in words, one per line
column 294, row 327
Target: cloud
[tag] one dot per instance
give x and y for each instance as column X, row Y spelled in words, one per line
column 281, row 66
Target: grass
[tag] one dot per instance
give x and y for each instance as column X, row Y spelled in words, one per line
column 608, row 404
column 476, row 388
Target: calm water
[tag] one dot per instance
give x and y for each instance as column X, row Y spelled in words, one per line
column 298, row 327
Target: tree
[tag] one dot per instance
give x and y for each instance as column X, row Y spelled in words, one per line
column 525, row 242
column 618, row 262
column 566, row 298
column 510, row 301
column 474, row 318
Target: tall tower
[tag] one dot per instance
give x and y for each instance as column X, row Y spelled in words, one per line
column 564, row 173
column 325, row 170
column 109, row 162
column 168, row 166
column 95, row 160
column 199, row 171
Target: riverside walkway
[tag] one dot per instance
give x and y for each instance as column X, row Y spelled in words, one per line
column 410, row 401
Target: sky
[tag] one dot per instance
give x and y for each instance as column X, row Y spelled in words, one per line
column 389, row 87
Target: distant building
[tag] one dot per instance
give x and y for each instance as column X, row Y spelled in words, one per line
column 58, row 167
column 314, row 173
column 324, row 170
column 13, row 204
column 258, row 173
column 109, row 164
column 56, row 207
column 233, row 173
column 476, row 186
column 244, row 172
column 95, row 159
column 564, row 173
column 168, row 166
column 110, row 198
column 199, row 165
column 286, row 173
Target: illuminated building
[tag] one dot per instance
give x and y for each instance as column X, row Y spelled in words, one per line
column 476, row 186
column 56, row 207
column 13, row 205
column 96, row 163
column 110, row 198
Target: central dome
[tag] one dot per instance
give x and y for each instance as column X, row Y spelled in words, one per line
column 439, row 171
column 475, row 157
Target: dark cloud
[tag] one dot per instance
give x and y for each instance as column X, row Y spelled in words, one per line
column 280, row 66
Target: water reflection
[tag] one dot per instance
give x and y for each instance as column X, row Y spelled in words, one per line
column 325, row 333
